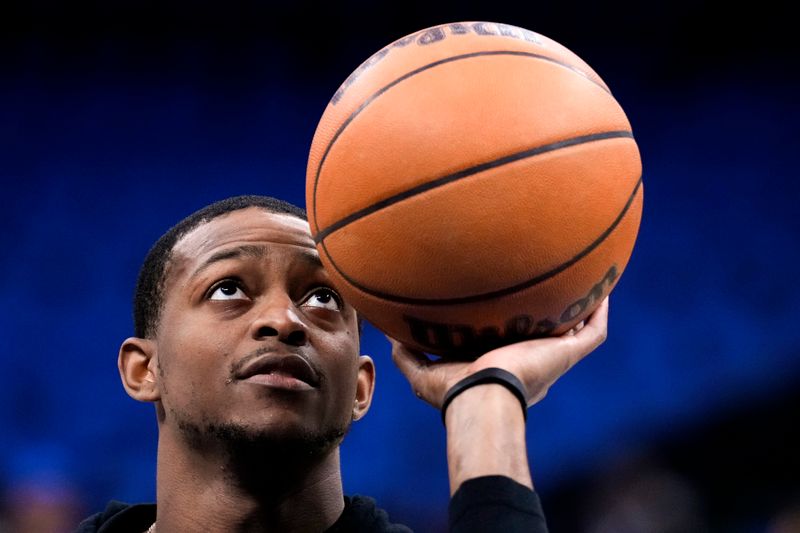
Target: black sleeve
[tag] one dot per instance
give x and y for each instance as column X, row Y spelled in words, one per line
column 495, row 503
column 119, row 517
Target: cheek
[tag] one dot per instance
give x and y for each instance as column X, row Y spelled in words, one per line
column 343, row 370
column 194, row 334
column 195, row 358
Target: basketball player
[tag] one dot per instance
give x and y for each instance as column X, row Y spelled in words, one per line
column 252, row 361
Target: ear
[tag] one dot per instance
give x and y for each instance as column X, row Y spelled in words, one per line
column 364, row 387
column 138, row 368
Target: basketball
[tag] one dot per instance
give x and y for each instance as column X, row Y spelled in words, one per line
column 474, row 184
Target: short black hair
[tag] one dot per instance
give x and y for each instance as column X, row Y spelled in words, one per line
column 148, row 298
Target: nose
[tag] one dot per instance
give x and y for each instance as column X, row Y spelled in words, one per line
column 278, row 318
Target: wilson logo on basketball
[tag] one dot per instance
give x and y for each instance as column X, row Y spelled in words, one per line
column 468, row 340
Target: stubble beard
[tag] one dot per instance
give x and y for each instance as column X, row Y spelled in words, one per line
column 241, row 438
column 254, row 455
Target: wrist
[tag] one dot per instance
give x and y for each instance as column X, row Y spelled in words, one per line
column 492, row 403
column 486, row 436
column 489, row 375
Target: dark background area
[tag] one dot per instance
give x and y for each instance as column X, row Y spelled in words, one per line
column 118, row 119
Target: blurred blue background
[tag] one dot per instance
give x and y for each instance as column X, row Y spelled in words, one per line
column 117, row 120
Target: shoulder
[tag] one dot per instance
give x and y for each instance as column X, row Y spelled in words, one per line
column 119, row 517
column 362, row 515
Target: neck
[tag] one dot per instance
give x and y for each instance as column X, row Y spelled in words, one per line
column 215, row 489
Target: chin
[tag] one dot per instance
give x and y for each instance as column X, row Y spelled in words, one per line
column 261, row 437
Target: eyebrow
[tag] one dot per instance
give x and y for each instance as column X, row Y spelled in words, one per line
column 312, row 259
column 250, row 250
column 246, row 250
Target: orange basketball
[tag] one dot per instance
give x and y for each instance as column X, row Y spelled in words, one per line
column 474, row 184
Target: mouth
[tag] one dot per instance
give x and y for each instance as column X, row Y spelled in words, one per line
column 282, row 371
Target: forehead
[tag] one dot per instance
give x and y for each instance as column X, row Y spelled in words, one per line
column 252, row 225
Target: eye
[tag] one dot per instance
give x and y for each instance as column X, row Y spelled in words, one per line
column 227, row 290
column 324, row 298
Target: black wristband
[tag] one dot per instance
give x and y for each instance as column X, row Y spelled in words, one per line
column 489, row 375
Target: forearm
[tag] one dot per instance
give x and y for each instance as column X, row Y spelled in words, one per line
column 486, row 436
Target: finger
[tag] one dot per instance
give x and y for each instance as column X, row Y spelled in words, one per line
column 576, row 328
column 408, row 360
column 595, row 330
column 584, row 341
column 557, row 355
column 417, row 368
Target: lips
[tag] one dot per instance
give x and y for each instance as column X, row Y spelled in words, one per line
column 280, row 365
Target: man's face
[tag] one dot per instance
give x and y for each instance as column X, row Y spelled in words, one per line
column 252, row 336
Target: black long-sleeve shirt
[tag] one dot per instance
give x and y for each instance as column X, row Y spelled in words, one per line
column 481, row 505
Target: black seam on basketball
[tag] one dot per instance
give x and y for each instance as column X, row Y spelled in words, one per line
column 412, row 73
column 465, row 173
column 501, row 292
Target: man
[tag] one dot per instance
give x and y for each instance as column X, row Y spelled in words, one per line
column 252, row 361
